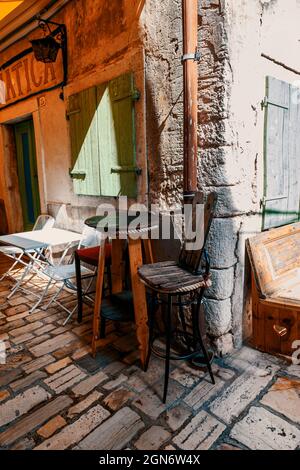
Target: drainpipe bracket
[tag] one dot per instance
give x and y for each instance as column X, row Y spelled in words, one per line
column 195, row 56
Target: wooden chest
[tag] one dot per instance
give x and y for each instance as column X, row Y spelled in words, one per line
column 275, row 263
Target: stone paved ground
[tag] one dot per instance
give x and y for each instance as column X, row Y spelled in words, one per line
column 53, row 395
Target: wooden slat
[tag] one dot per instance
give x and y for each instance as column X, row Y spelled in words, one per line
column 272, row 340
column 276, row 153
column 139, row 297
column 98, row 297
column 288, row 319
column 117, row 265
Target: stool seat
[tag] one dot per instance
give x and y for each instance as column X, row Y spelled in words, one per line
column 168, row 277
column 91, row 255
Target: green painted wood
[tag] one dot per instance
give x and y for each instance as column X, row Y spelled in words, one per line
column 27, row 172
column 279, row 156
column 118, row 156
column 294, row 154
column 102, row 130
column 84, row 142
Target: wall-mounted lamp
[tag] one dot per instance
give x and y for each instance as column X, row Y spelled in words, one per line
column 46, row 49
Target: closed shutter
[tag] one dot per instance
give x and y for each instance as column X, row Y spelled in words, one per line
column 84, row 142
column 117, row 137
column 282, row 126
column 103, row 139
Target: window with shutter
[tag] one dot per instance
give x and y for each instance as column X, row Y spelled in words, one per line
column 281, row 150
column 102, row 135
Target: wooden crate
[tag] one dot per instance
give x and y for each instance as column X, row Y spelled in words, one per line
column 275, row 263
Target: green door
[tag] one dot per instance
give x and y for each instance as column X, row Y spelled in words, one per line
column 27, row 172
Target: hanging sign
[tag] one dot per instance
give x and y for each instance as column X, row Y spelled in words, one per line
column 23, row 76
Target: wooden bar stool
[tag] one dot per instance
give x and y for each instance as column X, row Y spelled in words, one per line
column 182, row 280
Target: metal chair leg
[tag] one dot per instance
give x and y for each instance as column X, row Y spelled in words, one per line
column 183, row 323
column 20, row 282
column 168, row 347
column 199, row 336
column 54, row 297
column 40, row 300
column 79, row 287
column 151, row 323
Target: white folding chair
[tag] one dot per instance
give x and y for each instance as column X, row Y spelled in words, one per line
column 43, row 222
column 65, row 275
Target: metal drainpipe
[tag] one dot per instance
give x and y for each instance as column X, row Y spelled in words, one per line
column 190, row 61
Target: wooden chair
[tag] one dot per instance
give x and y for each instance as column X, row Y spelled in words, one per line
column 180, row 279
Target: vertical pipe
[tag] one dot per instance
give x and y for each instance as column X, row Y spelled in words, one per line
column 190, row 73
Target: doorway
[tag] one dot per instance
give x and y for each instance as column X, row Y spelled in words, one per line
column 27, row 172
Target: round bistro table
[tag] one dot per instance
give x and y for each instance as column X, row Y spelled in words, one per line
column 137, row 237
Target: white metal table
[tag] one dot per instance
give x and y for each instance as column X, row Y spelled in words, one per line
column 35, row 242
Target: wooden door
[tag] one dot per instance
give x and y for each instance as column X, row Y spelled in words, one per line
column 27, row 172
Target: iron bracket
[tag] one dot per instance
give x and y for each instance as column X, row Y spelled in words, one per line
column 195, row 56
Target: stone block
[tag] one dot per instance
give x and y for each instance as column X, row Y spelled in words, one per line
column 21, row 404
column 284, row 397
column 217, row 316
column 235, row 398
column 51, row 427
column 222, row 241
column 177, row 416
column 76, row 431
column 262, row 430
column 153, row 438
column 200, row 433
column 115, row 433
column 222, row 284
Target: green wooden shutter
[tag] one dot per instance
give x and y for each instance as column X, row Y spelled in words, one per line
column 84, row 142
column 117, row 137
column 281, row 148
column 102, row 130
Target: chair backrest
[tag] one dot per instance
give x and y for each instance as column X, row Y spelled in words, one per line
column 199, row 217
column 44, row 222
column 90, row 237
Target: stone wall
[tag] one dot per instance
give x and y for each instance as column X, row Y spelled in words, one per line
column 232, row 36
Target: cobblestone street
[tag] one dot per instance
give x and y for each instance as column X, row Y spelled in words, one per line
column 54, row 395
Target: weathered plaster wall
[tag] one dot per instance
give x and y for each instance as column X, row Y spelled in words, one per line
column 103, row 42
column 232, row 36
